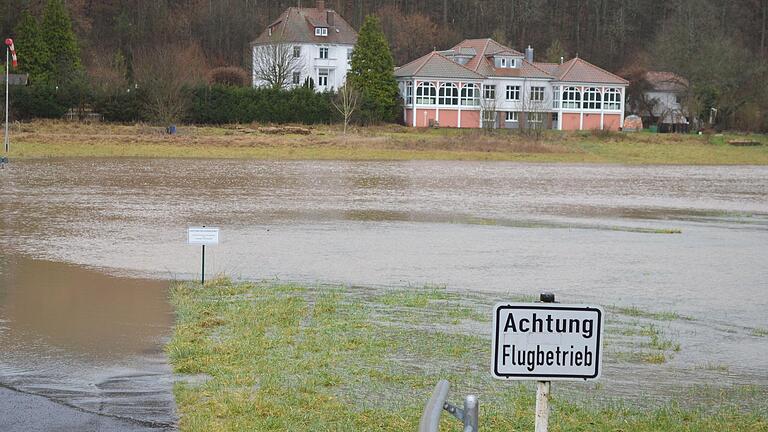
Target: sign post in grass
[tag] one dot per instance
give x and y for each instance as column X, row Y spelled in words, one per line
column 202, row 236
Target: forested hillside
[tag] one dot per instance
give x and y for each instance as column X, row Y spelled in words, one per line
column 721, row 46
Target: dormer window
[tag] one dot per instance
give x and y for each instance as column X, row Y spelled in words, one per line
column 321, row 31
column 505, row 62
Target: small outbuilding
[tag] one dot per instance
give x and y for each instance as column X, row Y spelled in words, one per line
column 664, row 94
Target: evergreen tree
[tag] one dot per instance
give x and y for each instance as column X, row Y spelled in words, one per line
column 35, row 58
column 372, row 73
column 555, row 51
column 61, row 41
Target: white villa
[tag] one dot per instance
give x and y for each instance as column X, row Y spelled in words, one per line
column 321, row 41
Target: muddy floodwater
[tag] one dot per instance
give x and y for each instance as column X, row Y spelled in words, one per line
column 87, row 244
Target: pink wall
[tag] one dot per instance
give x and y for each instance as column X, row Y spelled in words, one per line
column 570, row 121
column 421, row 119
column 470, row 119
column 612, row 122
column 591, row 121
column 449, row 118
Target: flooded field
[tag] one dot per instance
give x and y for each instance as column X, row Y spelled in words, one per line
column 692, row 241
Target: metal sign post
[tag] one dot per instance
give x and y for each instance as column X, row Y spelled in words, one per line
column 6, row 138
column 202, row 236
column 546, row 341
column 543, row 388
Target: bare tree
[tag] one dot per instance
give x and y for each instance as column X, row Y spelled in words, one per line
column 275, row 63
column 488, row 112
column 534, row 112
column 165, row 72
column 346, row 103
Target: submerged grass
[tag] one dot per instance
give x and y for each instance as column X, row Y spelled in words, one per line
column 284, row 357
column 41, row 139
column 634, row 311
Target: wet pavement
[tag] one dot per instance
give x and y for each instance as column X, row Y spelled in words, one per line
column 82, row 349
column 683, row 239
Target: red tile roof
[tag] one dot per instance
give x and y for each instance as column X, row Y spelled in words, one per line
column 435, row 65
column 298, row 25
column 666, row 81
column 482, row 51
column 579, row 70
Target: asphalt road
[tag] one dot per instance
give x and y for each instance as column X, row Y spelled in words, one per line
column 29, row 413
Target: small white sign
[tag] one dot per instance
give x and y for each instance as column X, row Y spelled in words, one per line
column 203, row 235
column 547, row 341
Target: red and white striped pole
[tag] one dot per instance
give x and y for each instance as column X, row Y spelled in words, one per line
column 10, row 52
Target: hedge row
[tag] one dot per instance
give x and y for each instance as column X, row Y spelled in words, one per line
column 220, row 104
column 215, row 104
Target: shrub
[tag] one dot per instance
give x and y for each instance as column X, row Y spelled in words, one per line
column 228, row 75
column 39, row 101
column 121, row 105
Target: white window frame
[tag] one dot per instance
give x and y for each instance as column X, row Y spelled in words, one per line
column 503, row 62
column 514, row 91
column 446, row 98
column 296, row 51
column 489, row 91
column 323, row 73
column 296, row 78
column 592, row 99
column 408, row 93
column 489, row 116
column 535, row 117
column 537, row 94
column 426, row 93
column 513, row 63
column 571, row 98
column 612, row 99
column 512, row 116
column 470, row 95
column 321, row 31
column 324, row 50
column 555, row 97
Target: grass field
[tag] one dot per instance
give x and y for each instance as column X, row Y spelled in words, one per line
column 43, row 139
column 282, row 357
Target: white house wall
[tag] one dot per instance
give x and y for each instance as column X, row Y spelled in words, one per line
column 310, row 64
column 667, row 102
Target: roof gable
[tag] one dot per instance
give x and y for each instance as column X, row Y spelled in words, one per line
column 578, row 70
column 435, row 65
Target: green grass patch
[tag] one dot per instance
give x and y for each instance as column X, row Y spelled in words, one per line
column 634, row 311
column 290, row 358
column 416, row 298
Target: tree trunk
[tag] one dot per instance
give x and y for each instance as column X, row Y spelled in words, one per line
column 762, row 35
column 445, row 12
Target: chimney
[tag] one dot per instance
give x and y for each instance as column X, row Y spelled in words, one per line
column 529, row 54
column 321, row 5
column 329, row 17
